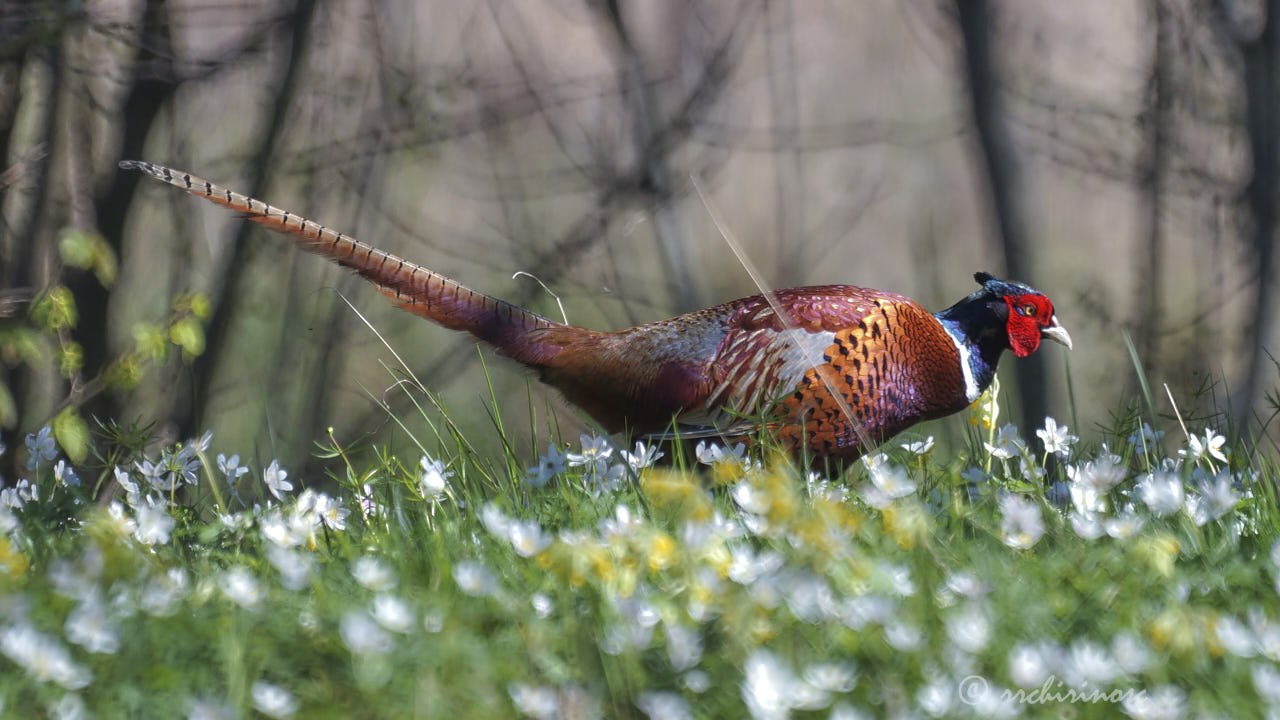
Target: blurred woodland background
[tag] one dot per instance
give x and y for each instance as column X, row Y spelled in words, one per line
column 1120, row 155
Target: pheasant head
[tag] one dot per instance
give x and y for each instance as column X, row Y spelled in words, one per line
column 1026, row 314
column 1001, row 315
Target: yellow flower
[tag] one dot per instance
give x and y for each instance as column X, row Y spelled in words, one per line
column 986, row 409
column 679, row 492
column 12, row 562
column 1160, row 552
column 661, row 551
column 906, row 523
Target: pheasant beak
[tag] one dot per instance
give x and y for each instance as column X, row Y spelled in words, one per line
column 1056, row 333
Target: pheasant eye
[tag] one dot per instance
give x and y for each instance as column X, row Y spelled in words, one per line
column 1028, row 310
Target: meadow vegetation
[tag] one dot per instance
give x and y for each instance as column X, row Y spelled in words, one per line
column 1130, row 572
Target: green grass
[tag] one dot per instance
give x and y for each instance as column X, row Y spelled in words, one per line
column 436, row 582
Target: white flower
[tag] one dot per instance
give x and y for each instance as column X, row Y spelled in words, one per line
column 751, row 499
column 1216, row 498
column 527, row 537
column 474, row 579
column 160, row 596
column 919, row 447
column 9, row 522
column 42, row 657
column 1088, row 663
column 684, row 646
column 937, row 697
column 1210, row 443
column 834, row 677
column 1007, row 444
column 902, row 636
column 89, row 627
column 622, row 525
column 1022, row 525
column 1130, row 653
column 548, row 466
column 747, row 566
column 540, row 703
column 1087, row 525
column 1123, row 526
column 231, row 468
column 393, row 614
column 1031, row 471
column 273, row 700
column 64, row 474
column 294, row 567
column 274, row 477
column 332, row 512
column 542, row 605
column 1166, row 702
column 1056, row 439
column 1266, row 681
column 494, row 520
column 710, row 453
column 1029, row 665
column 1162, row 492
column 124, row 481
column 1220, row 494
column 362, row 636
column 969, row 629
column 771, row 691
column 69, row 707
column 892, row 481
column 433, row 480
column 278, row 531
column 124, row 524
column 643, row 456
column 1235, row 637
column 664, row 706
column 594, row 458
column 372, row 574
column 153, row 523
column 1101, row 473
column 241, row 587
column 203, row 709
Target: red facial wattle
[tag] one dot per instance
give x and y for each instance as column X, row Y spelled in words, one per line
column 1027, row 315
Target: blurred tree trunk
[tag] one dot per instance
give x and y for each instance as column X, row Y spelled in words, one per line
column 1262, row 95
column 1148, row 269
column 30, row 238
column 224, row 299
column 154, row 82
column 1000, row 159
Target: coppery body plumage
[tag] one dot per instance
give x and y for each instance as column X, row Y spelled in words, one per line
column 834, row 369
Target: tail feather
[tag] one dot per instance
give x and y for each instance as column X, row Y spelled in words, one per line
column 514, row 331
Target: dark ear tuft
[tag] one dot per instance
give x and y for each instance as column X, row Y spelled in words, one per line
column 982, row 278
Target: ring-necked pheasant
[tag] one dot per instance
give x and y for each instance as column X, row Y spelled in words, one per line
column 838, row 368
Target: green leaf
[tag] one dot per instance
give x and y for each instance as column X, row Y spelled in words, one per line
column 70, row 359
column 188, row 335
column 56, row 309
column 200, row 306
column 151, row 340
column 125, row 373
column 22, row 344
column 89, row 251
column 77, row 248
column 71, row 432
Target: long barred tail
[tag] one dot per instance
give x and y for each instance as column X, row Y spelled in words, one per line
column 511, row 329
